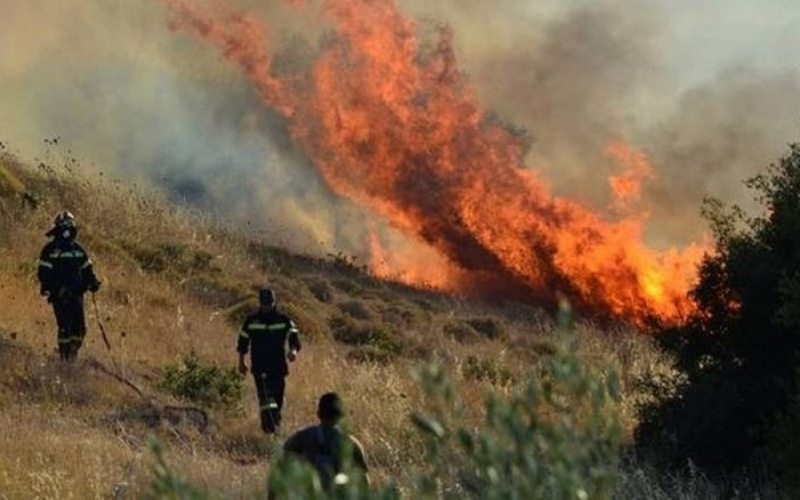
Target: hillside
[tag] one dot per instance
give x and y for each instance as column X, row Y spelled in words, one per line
column 175, row 287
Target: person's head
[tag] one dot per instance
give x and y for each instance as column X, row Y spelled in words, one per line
column 330, row 409
column 64, row 226
column 266, row 299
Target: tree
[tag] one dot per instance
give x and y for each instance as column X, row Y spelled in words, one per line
column 740, row 349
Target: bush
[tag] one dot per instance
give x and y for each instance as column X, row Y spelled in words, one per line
column 353, row 333
column 485, row 370
column 205, row 384
column 740, row 349
column 558, row 438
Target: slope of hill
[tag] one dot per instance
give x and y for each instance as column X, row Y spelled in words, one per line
column 175, row 287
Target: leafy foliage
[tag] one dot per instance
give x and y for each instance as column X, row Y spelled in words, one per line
column 557, row 438
column 740, row 349
column 204, row 384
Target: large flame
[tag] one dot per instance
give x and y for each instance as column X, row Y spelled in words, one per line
column 399, row 130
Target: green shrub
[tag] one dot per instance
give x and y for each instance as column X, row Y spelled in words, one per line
column 354, row 333
column 740, row 349
column 205, row 384
column 485, row 370
column 557, row 438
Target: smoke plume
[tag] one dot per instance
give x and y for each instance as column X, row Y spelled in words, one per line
column 592, row 96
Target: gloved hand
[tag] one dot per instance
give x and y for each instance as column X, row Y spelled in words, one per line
column 291, row 356
column 44, row 291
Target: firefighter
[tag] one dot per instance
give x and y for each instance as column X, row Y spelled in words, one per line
column 337, row 457
column 327, row 447
column 65, row 275
column 266, row 334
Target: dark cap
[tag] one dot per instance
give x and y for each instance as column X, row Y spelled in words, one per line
column 266, row 297
column 330, row 406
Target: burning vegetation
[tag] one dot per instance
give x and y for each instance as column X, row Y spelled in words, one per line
column 392, row 124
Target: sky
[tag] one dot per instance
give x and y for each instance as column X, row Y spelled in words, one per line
column 708, row 90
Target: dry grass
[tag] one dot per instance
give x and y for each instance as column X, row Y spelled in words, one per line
column 72, row 432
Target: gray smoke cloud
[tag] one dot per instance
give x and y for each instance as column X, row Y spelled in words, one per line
column 710, row 92
column 125, row 92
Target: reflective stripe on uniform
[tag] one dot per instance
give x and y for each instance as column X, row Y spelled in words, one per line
column 44, row 263
column 256, row 327
column 86, row 264
column 244, row 334
column 67, row 255
column 269, row 406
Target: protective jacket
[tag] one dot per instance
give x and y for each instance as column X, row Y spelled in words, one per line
column 329, row 450
column 65, row 270
column 266, row 335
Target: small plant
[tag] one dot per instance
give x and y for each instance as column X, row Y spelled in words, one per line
column 205, row 384
column 557, row 438
column 350, row 332
column 485, row 370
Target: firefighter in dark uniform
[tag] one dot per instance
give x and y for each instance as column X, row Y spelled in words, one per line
column 266, row 334
column 65, row 274
column 336, row 456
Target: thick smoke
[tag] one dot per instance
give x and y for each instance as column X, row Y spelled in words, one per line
column 125, row 92
column 711, row 93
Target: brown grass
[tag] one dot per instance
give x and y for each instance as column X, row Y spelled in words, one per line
column 72, row 432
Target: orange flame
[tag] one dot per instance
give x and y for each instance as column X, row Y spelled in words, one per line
column 399, row 130
column 627, row 187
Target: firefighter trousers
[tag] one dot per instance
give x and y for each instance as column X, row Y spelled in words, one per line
column 71, row 325
column 269, row 389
